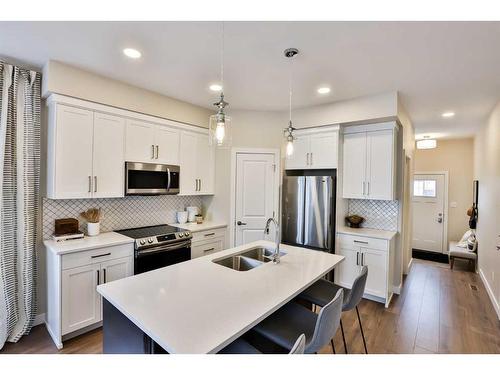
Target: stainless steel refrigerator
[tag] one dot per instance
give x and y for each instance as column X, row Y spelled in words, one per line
column 308, row 211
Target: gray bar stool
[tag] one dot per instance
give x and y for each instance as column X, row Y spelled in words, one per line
column 241, row 346
column 284, row 325
column 322, row 291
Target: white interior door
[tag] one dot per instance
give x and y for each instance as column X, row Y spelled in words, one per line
column 255, row 196
column 428, row 194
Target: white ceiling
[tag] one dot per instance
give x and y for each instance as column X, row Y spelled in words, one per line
column 436, row 67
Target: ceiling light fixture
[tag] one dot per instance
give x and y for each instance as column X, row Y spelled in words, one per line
column 288, row 132
column 324, row 90
column 448, row 114
column 216, row 87
column 426, row 143
column 132, row 53
column 220, row 124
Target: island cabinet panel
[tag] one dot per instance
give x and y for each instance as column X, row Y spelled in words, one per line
column 315, row 148
column 375, row 253
column 74, row 305
column 369, row 162
column 208, row 242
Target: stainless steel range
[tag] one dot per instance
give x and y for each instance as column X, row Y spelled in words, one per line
column 158, row 246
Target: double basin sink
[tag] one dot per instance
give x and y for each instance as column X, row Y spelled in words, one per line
column 249, row 259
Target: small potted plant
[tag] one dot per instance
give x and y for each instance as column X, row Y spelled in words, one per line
column 93, row 217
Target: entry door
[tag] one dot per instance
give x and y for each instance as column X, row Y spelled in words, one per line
column 255, row 196
column 428, row 212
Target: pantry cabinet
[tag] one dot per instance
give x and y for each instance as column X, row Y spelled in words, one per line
column 315, row 148
column 369, row 162
column 73, row 303
column 197, row 160
column 377, row 254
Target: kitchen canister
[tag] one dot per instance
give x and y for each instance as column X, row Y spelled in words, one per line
column 93, row 229
column 192, row 212
column 182, row 217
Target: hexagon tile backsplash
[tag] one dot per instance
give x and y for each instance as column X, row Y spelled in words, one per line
column 118, row 213
column 378, row 214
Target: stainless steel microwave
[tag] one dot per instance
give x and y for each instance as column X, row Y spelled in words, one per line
column 151, row 179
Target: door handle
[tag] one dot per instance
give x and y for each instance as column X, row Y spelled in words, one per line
column 440, row 219
column 152, row 151
column 200, row 185
column 157, row 151
column 90, row 184
column 196, row 188
column 362, row 259
column 311, row 158
column 95, row 184
column 98, row 277
column 104, row 274
column 363, row 242
column 357, row 258
column 368, row 188
column 207, row 250
column 307, row 159
column 241, row 223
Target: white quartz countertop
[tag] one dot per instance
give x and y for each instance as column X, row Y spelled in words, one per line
column 199, row 306
column 366, row 232
column 206, row 225
column 87, row 243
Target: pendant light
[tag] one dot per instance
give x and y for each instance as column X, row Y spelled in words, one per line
column 288, row 132
column 220, row 123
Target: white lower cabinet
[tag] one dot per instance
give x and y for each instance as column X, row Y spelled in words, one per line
column 73, row 302
column 377, row 255
column 208, row 242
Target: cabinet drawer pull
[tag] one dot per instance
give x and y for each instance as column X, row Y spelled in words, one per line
column 210, row 234
column 363, row 242
column 100, row 255
column 207, row 250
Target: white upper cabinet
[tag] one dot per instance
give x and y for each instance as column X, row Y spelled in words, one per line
column 197, row 161
column 315, row 149
column 369, row 162
column 151, row 143
column 109, row 152
column 140, row 142
column 85, row 154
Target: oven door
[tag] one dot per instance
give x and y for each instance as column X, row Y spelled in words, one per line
column 151, row 179
column 161, row 256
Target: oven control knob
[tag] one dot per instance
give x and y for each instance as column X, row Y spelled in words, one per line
column 181, row 234
column 142, row 242
column 186, row 234
column 150, row 240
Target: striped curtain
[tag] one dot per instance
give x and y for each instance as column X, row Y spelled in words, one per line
column 19, row 198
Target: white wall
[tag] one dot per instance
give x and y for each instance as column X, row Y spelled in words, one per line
column 68, row 80
column 250, row 129
column 487, row 171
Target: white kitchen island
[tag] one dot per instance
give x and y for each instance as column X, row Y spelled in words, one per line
column 199, row 306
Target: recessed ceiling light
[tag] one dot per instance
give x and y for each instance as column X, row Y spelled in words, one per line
column 324, row 90
column 448, row 114
column 426, row 143
column 132, row 53
column 215, row 87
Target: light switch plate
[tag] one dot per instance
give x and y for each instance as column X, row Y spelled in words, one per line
column 453, row 204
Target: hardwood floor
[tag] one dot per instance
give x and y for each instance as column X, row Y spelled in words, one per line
column 437, row 312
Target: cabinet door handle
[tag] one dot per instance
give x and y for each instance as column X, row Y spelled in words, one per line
column 157, row 151
column 196, row 184
column 311, row 158
column 152, row 151
column 104, row 274
column 357, row 258
column 363, row 242
column 364, row 187
column 307, row 159
column 90, row 184
column 98, row 277
column 200, row 185
column 368, row 188
column 362, row 259
column 207, row 250
column 95, row 184
column 100, row 255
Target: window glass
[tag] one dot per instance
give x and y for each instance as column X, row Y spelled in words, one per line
column 424, row 188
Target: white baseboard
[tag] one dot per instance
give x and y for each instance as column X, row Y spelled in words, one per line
column 493, row 300
column 39, row 319
column 397, row 289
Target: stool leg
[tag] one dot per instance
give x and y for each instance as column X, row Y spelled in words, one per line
column 333, row 346
column 361, row 327
column 343, row 336
column 452, row 260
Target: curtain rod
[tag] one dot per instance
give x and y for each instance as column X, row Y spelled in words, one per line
column 19, row 65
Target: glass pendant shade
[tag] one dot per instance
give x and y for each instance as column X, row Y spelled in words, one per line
column 289, row 148
column 220, row 130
